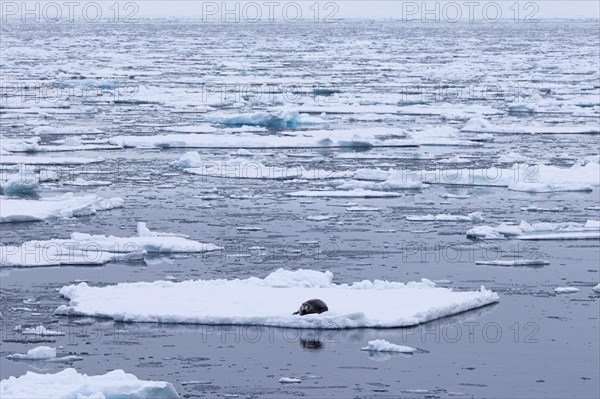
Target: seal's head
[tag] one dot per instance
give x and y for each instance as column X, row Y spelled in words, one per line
column 312, row 306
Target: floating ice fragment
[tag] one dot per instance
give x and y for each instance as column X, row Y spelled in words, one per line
column 381, row 345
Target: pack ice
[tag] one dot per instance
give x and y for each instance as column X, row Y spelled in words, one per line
column 272, row 300
column 71, row 384
column 88, row 249
column 64, row 206
column 589, row 230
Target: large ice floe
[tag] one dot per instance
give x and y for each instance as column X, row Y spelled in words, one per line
column 381, row 304
column 236, row 168
column 69, row 383
column 88, row 249
column 64, row 206
column 355, row 138
column 479, row 125
column 535, row 178
column 538, row 231
column 45, row 160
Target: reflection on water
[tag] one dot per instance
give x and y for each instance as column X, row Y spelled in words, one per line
column 311, row 344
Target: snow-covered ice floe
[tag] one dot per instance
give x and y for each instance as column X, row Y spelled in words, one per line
column 87, row 249
column 479, row 125
column 356, row 138
column 391, row 183
column 321, row 218
column 290, row 380
column 43, row 353
column 236, row 168
column 69, row 383
column 381, row 345
column 450, row 111
column 274, row 120
column 37, row 353
column 517, row 262
column 44, row 160
column 539, row 231
column 378, row 304
column 41, row 331
column 64, row 206
column 566, row 290
column 356, row 193
column 63, row 130
column 444, row 217
column 8, row 145
column 537, row 178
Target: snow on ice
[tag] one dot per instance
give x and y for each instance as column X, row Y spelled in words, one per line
column 538, row 231
column 64, row 206
column 88, row 249
column 71, row 384
column 361, row 304
column 381, row 345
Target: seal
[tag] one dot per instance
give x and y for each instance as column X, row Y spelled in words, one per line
column 312, row 306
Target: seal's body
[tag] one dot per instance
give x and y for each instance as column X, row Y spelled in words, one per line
column 312, row 306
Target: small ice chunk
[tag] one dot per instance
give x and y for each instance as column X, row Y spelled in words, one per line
column 519, row 262
column 290, row 380
column 37, row 353
column 381, row 345
column 471, row 217
column 320, row 218
column 42, row 331
column 566, row 290
column 356, row 193
column 190, row 159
